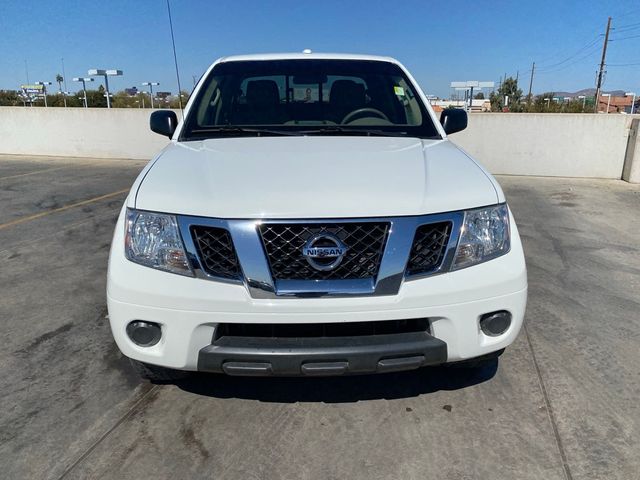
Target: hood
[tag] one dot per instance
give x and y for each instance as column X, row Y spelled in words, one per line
column 313, row 177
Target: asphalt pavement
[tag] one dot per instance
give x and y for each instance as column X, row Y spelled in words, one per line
column 562, row 403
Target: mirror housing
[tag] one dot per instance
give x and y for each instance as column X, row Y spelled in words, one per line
column 163, row 122
column 453, row 120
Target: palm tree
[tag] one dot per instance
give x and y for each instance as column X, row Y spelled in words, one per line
column 60, row 79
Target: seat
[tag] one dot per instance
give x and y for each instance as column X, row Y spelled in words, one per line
column 345, row 97
column 263, row 104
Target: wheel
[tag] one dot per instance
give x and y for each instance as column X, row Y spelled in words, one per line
column 157, row 374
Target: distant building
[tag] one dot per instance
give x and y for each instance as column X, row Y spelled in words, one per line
column 616, row 104
column 132, row 92
column 477, row 104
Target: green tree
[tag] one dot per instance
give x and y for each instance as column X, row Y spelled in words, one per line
column 508, row 88
column 60, row 79
column 540, row 103
column 121, row 100
column 479, row 96
column 10, row 98
column 574, row 106
column 62, row 100
column 173, row 100
column 96, row 98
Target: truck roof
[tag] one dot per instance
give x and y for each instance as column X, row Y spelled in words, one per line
column 305, row 56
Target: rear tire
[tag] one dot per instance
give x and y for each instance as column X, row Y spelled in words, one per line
column 157, row 374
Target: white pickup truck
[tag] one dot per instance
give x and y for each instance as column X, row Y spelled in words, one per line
column 311, row 217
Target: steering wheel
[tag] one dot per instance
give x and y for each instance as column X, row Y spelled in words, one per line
column 349, row 116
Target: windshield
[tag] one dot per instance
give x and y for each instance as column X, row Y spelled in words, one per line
column 307, row 97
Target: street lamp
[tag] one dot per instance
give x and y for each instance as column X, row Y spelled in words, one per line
column 633, row 102
column 150, row 85
column 608, row 95
column 96, row 72
column 44, row 89
column 143, row 96
column 584, row 100
column 84, row 86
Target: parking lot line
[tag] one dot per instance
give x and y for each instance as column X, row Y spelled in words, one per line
column 34, row 173
column 61, row 209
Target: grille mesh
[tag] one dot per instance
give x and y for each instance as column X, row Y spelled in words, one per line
column 364, row 241
column 428, row 249
column 216, row 252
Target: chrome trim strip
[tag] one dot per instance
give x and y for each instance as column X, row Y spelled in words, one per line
column 253, row 259
column 184, row 225
column 457, row 220
column 323, row 288
column 257, row 275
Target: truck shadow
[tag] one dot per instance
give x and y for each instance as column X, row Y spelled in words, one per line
column 339, row 389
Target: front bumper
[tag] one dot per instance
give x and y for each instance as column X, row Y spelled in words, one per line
column 321, row 355
column 189, row 310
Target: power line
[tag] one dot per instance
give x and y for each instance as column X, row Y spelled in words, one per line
column 560, row 53
column 624, row 30
column 582, row 49
column 624, row 38
column 628, row 25
column 564, row 67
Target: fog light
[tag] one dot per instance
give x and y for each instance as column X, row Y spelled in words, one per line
column 495, row 323
column 144, row 334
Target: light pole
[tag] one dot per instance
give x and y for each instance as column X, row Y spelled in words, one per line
column 96, row 72
column 584, row 101
column 150, row 85
column 608, row 95
column 143, row 96
column 44, row 89
column 84, row 86
column 633, row 102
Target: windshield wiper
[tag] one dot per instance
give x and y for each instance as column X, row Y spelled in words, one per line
column 337, row 129
column 236, row 130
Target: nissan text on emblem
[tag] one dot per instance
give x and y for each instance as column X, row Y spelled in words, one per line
column 324, row 251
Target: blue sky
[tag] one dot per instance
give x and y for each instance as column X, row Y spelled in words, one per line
column 439, row 41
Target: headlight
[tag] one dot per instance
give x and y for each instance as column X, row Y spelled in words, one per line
column 153, row 240
column 484, row 235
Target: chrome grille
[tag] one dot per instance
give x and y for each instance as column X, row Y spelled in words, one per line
column 428, row 249
column 216, row 252
column 283, row 244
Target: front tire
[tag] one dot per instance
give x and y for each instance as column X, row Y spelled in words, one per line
column 157, row 374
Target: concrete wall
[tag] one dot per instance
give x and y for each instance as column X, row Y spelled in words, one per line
column 79, row 132
column 631, row 171
column 547, row 144
column 571, row 145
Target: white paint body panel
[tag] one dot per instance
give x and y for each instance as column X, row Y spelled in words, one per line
column 310, row 178
column 314, row 177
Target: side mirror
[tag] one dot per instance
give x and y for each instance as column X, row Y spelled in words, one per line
column 163, row 122
column 453, row 120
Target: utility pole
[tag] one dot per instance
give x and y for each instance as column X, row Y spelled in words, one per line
column 533, row 69
column 604, row 55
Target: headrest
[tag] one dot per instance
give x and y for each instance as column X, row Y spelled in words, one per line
column 346, row 92
column 262, row 93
